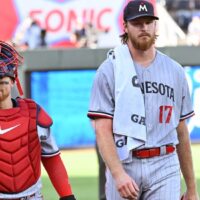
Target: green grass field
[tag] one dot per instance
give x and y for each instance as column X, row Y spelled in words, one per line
column 82, row 168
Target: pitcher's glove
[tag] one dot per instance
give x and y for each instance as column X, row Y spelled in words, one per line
column 71, row 197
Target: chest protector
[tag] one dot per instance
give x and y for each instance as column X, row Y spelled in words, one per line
column 20, row 151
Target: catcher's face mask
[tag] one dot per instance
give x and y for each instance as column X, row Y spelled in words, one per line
column 10, row 60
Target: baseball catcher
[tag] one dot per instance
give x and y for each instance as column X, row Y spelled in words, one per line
column 25, row 139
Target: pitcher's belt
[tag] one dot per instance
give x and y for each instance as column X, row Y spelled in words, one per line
column 152, row 152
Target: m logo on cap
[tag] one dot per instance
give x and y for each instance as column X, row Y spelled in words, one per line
column 143, row 7
column 139, row 8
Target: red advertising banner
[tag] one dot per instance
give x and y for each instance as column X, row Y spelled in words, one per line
column 61, row 17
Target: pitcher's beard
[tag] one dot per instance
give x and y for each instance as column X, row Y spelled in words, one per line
column 144, row 44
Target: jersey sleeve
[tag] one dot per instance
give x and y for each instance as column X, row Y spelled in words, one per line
column 49, row 147
column 187, row 107
column 102, row 93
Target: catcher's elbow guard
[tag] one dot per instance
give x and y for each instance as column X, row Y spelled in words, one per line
column 71, row 197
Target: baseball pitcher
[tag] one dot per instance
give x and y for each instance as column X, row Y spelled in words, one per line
column 139, row 103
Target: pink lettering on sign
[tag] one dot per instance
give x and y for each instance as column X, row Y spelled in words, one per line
column 60, row 16
column 57, row 20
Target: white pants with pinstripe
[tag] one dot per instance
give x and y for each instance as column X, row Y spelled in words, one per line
column 158, row 178
column 36, row 196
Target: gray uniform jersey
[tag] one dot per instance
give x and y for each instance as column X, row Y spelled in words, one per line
column 48, row 149
column 166, row 96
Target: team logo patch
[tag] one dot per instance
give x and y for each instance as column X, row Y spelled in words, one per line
column 143, row 8
column 3, row 131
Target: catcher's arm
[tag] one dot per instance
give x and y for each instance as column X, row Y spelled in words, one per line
column 58, row 176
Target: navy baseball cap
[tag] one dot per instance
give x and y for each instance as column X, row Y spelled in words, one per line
column 139, row 8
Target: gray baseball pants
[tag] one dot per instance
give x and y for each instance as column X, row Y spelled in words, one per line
column 158, row 178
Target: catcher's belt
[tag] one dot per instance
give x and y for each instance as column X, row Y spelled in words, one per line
column 21, row 198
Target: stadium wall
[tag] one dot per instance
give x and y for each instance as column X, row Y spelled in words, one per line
column 81, row 65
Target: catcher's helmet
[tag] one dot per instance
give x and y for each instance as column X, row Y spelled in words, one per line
column 10, row 60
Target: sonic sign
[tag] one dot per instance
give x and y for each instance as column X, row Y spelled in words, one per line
column 60, row 17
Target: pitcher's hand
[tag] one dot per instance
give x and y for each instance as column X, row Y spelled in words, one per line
column 126, row 186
